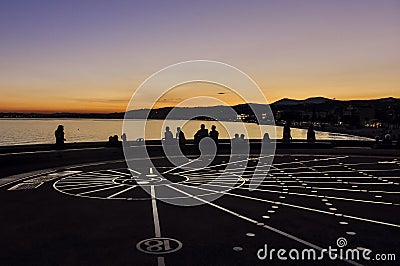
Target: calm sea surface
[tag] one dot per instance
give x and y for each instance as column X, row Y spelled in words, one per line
column 34, row 131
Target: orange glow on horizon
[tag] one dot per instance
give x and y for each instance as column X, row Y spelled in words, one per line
column 101, row 99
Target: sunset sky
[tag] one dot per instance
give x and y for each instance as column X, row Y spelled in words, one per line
column 90, row 56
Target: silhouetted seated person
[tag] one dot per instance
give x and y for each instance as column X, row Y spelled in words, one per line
column 311, row 134
column 286, row 133
column 59, row 134
column 236, row 139
column 266, row 145
column 200, row 134
column 113, row 141
column 239, row 144
column 266, row 139
column 387, row 139
column 180, row 136
column 214, row 134
column 244, row 142
column 168, row 137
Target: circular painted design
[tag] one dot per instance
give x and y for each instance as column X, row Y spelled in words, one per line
column 159, row 245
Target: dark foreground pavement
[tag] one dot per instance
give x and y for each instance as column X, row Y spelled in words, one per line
column 89, row 213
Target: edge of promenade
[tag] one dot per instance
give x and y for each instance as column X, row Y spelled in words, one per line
column 22, row 158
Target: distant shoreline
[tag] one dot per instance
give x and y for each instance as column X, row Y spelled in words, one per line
column 364, row 132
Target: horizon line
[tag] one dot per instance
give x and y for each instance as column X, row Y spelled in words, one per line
column 117, row 112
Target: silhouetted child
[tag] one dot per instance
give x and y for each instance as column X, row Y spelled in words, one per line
column 59, row 134
column 123, row 137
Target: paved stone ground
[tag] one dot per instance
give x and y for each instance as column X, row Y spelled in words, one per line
column 100, row 214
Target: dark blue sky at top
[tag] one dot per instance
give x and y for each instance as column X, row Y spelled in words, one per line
column 339, row 44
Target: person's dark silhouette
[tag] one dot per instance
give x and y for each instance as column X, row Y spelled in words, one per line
column 214, row 134
column 123, row 137
column 200, row 134
column 168, row 134
column 387, row 139
column 286, row 133
column 113, row 141
column 242, row 137
column 180, row 136
column 266, row 138
column 59, row 134
column 311, row 134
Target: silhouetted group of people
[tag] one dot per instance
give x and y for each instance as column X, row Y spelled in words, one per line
column 239, row 139
column 169, row 137
column 203, row 132
column 200, row 134
column 213, row 134
column 387, row 139
column 113, row 141
column 287, row 137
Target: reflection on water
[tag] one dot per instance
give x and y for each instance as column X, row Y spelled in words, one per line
column 32, row 131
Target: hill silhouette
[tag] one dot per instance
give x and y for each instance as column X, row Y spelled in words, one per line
column 316, row 109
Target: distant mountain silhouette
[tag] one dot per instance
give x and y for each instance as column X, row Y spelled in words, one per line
column 313, row 100
column 318, row 109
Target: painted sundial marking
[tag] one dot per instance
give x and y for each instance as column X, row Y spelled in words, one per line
column 36, row 182
column 300, row 178
column 139, row 179
column 280, row 171
column 125, row 184
column 159, row 245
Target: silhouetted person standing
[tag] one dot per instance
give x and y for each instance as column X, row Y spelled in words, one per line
column 235, row 144
column 180, row 136
column 59, row 134
column 286, row 133
column 123, row 137
column 214, row 134
column 200, row 134
column 311, row 134
column 168, row 134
